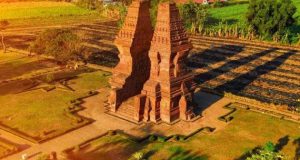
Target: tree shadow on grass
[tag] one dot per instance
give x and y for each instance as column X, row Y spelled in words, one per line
column 103, row 58
column 230, row 66
column 237, row 85
column 25, row 85
column 122, row 148
column 178, row 153
column 212, row 55
column 13, row 69
column 19, row 41
column 297, row 151
column 281, row 143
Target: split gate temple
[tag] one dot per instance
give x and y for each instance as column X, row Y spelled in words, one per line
column 151, row 81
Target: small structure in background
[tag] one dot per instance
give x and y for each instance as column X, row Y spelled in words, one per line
column 200, row 1
column 151, row 82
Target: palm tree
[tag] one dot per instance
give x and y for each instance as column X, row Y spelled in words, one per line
column 3, row 26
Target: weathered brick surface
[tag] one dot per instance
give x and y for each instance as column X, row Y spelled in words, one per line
column 169, row 82
column 133, row 42
column 157, row 71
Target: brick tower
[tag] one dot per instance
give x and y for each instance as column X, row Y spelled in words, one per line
column 169, row 90
column 133, row 42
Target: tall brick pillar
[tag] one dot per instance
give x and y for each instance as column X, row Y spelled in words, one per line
column 133, row 42
column 168, row 73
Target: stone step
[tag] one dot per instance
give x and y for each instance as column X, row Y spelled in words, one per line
column 126, row 110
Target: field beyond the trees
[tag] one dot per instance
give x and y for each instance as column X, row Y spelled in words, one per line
column 23, row 10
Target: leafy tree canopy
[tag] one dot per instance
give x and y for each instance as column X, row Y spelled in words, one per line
column 269, row 17
column 62, row 44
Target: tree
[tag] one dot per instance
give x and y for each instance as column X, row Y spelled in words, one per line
column 270, row 17
column 3, row 26
column 194, row 15
column 61, row 44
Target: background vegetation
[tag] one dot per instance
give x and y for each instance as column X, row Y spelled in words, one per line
column 22, row 10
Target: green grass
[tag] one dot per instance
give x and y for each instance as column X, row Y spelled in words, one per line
column 36, row 111
column 247, row 131
column 234, row 13
column 24, row 10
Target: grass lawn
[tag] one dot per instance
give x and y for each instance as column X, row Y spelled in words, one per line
column 36, row 112
column 22, row 10
column 43, row 13
column 233, row 13
column 247, row 131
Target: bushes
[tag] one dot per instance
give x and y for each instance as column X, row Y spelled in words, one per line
column 122, row 12
column 194, row 15
column 267, row 152
column 153, row 11
column 61, row 44
column 271, row 17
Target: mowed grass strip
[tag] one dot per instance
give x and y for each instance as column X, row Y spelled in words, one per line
column 245, row 132
column 24, row 10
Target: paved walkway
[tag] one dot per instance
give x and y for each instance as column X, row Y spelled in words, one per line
column 103, row 122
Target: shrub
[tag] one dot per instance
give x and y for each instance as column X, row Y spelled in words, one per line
column 218, row 3
column 122, row 11
column 89, row 4
column 161, row 139
column 268, row 17
column 152, row 138
column 61, row 44
column 267, row 152
column 138, row 155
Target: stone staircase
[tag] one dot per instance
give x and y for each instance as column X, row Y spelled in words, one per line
column 127, row 111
